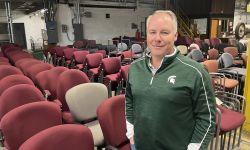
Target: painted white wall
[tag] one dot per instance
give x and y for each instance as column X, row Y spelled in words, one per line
column 98, row 27
column 32, row 24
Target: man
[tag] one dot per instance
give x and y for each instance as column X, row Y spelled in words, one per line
column 170, row 103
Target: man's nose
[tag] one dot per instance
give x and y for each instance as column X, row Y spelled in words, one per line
column 158, row 37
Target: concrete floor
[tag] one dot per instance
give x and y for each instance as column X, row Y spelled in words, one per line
column 245, row 142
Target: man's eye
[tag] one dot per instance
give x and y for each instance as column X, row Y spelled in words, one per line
column 165, row 33
column 152, row 32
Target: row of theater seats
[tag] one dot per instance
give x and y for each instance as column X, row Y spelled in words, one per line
column 29, row 120
column 194, row 52
column 65, row 56
column 74, row 100
column 207, row 44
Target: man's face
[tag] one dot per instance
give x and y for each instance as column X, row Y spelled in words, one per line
column 161, row 35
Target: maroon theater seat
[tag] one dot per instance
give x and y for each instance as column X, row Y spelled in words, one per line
column 27, row 120
column 17, row 63
column 47, row 81
column 61, row 137
column 68, row 56
column 6, row 70
column 93, row 62
column 67, row 80
column 110, row 71
column 4, row 59
column 78, row 44
column 103, row 52
column 80, row 59
column 35, row 69
column 213, row 54
column 1, row 54
column 18, row 95
column 24, row 65
column 123, row 78
column 59, row 54
column 5, row 63
column 111, row 116
column 12, row 80
column 20, row 56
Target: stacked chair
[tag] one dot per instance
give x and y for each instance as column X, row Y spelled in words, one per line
column 83, row 102
column 111, row 116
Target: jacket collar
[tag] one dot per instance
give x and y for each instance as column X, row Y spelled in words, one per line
column 168, row 59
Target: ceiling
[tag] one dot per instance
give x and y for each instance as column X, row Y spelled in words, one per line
column 28, row 6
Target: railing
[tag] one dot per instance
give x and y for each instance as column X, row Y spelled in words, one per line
column 183, row 22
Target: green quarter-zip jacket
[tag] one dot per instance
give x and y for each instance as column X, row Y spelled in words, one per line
column 173, row 108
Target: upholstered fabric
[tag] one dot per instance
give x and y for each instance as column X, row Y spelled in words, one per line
column 27, row 120
column 61, row 137
column 12, row 80
column 18, row 95
column 67, row 80
column 230, row 120
column 83, row 100
column 111, row 116
column 213, row 54
column 6, row 70
column 35, row 69
column 47, row 80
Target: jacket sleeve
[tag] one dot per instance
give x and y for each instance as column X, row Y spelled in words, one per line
column 129, row 104
column 204, row 112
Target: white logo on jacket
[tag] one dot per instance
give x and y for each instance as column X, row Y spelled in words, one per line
column 171, row 79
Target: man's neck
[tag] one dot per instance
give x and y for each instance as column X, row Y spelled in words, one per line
column 156, row 61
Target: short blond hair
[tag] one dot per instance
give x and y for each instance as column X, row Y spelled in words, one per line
column 168, row 12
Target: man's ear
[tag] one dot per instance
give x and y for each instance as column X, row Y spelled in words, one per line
column 176, row 35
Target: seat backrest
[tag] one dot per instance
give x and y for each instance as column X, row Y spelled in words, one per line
column 12, row 80
column 194, row 45
column 4, row 59
column 6, row 70
column 211, row 65
column 93, row 60
column 59, row 50
column 68, row 53
column 122, row 47
column 20, row 56
column 111, row 65
column 124, row 72
column 213, row 54
column 111, row 116
column 67, row 80
column 183, row 49
column 35, row 69
column 18, row 95
column 78, row 44
column 231, row 50
column 61, row 137
column 5, row 63
column 84, row 99
column 27, row 120
column 103, row 52
column 19, row 62
column 80, row 56
column 226, row 60
column 27, row 64
column 47, row 80
column 136, row 48
column 196, row 55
